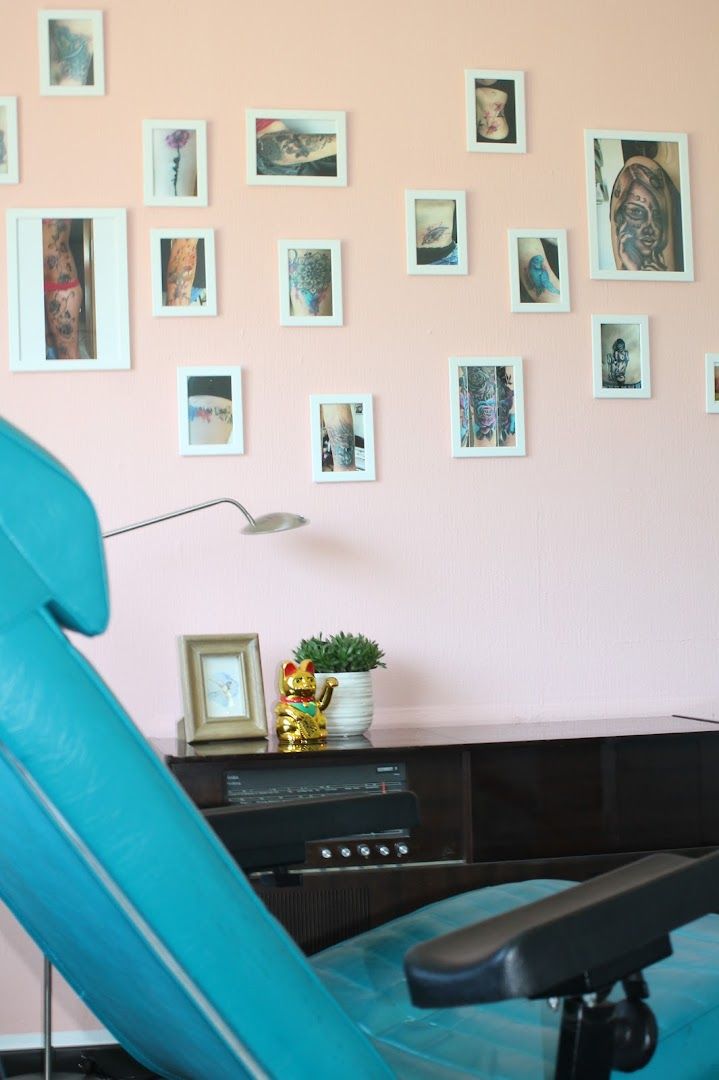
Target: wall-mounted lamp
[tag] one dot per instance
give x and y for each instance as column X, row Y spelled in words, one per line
column 266, row 523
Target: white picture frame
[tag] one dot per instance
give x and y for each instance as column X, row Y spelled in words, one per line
column 174, row 162
column 71, row 51
column 438, row 217
column 486, row 396
column 711, row 369
column 342, row 438
column 307, row 298
column 9, row 160
column 82, row 307
column 620, row 356
column 184, row 283
column 323, row 169
column 209, row 410
column 538, row 271
column 495, row 111
column 638, row 206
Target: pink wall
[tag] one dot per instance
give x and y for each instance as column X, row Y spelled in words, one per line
column 572, row 582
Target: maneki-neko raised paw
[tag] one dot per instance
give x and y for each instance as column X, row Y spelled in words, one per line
column 300, row 716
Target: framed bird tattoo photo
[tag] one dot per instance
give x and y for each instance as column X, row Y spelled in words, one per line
column 538, row 273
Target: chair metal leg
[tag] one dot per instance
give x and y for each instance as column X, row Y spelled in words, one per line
column 47, row 1069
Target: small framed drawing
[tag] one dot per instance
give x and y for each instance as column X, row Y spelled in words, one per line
column 175, row 162
column 183, row 272
column 67, row 290
column 638, row 206
column 9, row 164
column 222, row 690
column 72, row 52
column 310, row 275
column 436, row 230
column 495, row 111
column 486, row 396
column 342, row 432
column 209, row 410
column 711, row 362
column 620, row 356
column 296, row 147
column 538, row 273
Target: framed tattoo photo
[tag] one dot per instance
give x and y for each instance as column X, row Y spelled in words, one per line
column 620, row 356
column 638, row 206
column 67, row 290
column 9, row 162
column 222, row 691
column 436, row 231
column 486, row 398
column 72, row 52
column 495, row 111
column 183, row 272
column 297, row 147
column 342, row 435
column 538, row 271
column 175, row 162
column 209, row 410
column 711, row 363
column 310, row 277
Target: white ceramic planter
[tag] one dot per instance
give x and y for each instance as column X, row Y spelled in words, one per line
column 351, row 709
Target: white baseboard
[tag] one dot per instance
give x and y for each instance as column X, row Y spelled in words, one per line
column 32, row 1040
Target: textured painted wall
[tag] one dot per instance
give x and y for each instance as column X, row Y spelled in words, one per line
column 576, row 581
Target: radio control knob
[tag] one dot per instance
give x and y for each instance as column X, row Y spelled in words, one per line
column 326, row 853
column 345, row 852
column 383, row 849
column 363, row 850
column 401, row 849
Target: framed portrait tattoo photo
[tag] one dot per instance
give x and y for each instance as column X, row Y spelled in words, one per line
column 538, row 270
column 297, row 147
column 638, row 206
column 72, row 52
column 486, row 397
column 183, row 272
column 620, row 356
column 711, row 367
column 67, row 290
column 174, row 162
column 310, row 279
column 222, row 689
column 342, row 437
column 209, row 410
column 436, row 232
column 495, row 111
column 9, row 161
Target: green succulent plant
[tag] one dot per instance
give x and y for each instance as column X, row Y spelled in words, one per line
column 340, row 652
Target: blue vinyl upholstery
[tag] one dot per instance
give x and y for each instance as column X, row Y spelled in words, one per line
column 120, row 881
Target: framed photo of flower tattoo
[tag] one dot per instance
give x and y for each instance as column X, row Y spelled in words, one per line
column 620, row 356
column 310, row 273
column 297, row 147
column 342, row 431
column 175, row 162
column 495, row 111
column 209, row 410
column 72, row 52
column 486, row 397
column 67, row 290
column 436, row 231
column 638, row 206
column 222, row 691
column 9, row 163
column 183, row 272
column 538, row 271
column 711, row 365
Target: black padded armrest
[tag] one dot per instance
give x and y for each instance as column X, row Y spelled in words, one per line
column 576, row 941
column 274, row 835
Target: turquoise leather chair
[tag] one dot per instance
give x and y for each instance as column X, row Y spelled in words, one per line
column 121, row 882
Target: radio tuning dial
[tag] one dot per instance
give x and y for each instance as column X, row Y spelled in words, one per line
column 363, row 850
column 383, row 849
column 345, row 852
column 326, row 853
column 401, row 849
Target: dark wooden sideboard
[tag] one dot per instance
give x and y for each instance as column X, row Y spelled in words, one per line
column 498, row 803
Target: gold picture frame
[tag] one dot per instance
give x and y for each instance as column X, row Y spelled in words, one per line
column 222, row 690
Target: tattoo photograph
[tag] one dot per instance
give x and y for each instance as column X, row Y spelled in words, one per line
column 183, row 272
column 209, row 409
column 296, row 147
column 639, row 206
column 495, row 111
column 711, row 361
column 310, row 279
column 175, row 162
column 67, row 290
column 9, row 170
column 620, row 356
column 486, row 406
column 71, row 53
column 342, row 437
column 436, row 232
column 538, row 273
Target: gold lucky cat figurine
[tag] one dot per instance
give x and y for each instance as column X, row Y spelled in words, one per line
column 300, row 717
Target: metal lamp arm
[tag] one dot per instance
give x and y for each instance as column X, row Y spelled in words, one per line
column 179, row 513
